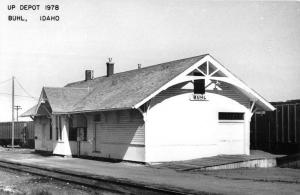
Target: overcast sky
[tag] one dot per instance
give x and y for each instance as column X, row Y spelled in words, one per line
column 257, row 41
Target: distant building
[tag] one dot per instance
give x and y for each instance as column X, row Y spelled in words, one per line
column 179, row 110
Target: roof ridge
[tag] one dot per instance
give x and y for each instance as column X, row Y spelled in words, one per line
column 69, row 87
column 147, row 67
column 151, row 66
column 87, row 96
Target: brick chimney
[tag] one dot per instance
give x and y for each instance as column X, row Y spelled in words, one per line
column 89, row 75
column 110, row 67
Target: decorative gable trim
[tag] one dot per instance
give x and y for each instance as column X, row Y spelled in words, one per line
column 42, row 99
column 220, row 73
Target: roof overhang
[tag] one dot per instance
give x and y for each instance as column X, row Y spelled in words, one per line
column 230, row 78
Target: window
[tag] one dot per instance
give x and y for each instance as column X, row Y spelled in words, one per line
column 72, row 134
column 82, row 133
column 98, row 118
column 135, row 115
column 111, row 117
column 101, row 117
column 72, row 131
column 58, row 128
column 231, row 116
column 77, row 132
column 50, row 133
column 199, row 86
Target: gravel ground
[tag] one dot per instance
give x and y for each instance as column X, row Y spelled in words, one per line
column 18, row 183
column 240, row 181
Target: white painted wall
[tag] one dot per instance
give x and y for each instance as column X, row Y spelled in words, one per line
column 180, row 129
column 176, row 129
column 121, row 138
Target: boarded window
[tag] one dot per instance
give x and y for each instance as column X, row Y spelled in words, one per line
column 199, row 86
column 231, row 116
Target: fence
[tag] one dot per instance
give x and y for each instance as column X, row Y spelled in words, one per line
column 23, row 134
column 277, row 131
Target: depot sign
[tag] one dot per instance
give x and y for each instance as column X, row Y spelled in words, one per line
column 198, row 97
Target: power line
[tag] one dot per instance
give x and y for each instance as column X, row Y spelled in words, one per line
column 19, row 95
column 17, row 108
column 25, row 90
column 4, row 81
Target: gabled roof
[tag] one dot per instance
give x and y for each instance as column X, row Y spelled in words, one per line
column 64, row 99
column 124, row 90
column 129, row 89
column 30, row 112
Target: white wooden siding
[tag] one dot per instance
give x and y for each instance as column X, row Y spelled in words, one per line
column 181, row 129
column 120, row 128
column 231, row 138
column 231, row 92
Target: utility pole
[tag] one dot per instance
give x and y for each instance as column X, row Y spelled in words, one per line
column 13, row 113
column 17, row 108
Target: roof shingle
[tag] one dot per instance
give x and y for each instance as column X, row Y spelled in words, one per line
column 125, row 89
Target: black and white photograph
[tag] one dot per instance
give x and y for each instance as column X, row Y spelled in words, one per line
column 149, row 97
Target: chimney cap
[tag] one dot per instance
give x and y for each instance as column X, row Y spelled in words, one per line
column 110, row 60
column 110, row 67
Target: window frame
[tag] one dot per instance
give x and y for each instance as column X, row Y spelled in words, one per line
column 75, row 130
column 102, row 118
column 232, row 117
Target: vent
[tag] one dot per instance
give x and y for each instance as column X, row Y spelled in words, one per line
column 89, row 75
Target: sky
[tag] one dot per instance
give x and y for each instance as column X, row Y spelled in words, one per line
column 258, row 41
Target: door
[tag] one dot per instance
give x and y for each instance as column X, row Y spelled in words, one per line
column 80, row 137
column 231, row 138
column 98, row 136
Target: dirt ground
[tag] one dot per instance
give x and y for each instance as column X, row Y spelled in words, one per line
column 240, row 181
column 19, row 183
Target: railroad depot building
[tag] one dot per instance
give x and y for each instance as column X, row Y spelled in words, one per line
column 179, row 110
